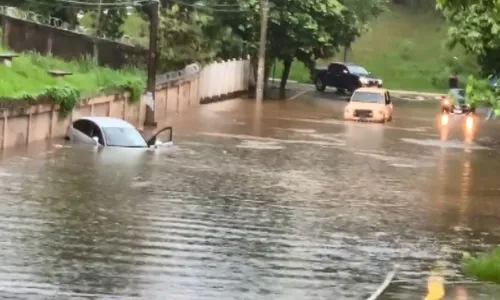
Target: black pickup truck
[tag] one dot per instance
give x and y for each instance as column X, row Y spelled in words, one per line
column 344, row 76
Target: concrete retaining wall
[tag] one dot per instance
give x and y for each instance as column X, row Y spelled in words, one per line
column 26, row 123
column 21, row 35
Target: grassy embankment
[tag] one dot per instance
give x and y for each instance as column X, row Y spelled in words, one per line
column 485, row 267
column 28, row 78
column 406, row 49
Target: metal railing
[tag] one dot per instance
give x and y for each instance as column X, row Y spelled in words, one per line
column 30, row 16
column 189, row 70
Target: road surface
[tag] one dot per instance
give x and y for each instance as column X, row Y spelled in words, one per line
column 282, row 200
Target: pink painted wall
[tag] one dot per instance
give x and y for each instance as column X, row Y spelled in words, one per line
column 22, row 126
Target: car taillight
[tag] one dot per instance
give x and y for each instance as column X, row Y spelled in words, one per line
column 444, row 119
column 469, row 123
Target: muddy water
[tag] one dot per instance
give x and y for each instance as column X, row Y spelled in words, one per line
column 278, row 201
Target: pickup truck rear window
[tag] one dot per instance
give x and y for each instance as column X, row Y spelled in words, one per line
column 368, row 97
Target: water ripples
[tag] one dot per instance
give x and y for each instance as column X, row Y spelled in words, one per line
column 299, row 214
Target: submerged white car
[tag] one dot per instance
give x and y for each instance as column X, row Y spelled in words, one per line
column 112, row 132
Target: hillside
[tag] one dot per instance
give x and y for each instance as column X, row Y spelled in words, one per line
column 406, row 49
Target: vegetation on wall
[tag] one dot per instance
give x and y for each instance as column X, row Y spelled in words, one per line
column 28, row 78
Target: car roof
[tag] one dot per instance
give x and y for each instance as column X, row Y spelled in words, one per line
column 108, row 122
column 371, row 90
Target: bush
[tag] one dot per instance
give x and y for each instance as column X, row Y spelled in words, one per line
column 485, row 267
column 28, row 78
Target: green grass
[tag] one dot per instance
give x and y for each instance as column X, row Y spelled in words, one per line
column 406, row 49
column 485, row 267
column 28, row 77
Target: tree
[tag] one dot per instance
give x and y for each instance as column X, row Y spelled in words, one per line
column 52, row 9
column 302, row 30
column 181, row 38
column 110, row 21
column 475, row 24
column 418, row 5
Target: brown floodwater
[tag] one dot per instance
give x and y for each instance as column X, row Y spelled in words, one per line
column 281, row 200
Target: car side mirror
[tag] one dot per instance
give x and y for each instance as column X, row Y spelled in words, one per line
column 96, row 140
column 345, row 71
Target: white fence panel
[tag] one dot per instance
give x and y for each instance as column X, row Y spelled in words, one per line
column 222, row 78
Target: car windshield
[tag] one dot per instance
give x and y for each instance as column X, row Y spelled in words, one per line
column 367, row 97
column 123, row 137
column 357, row 70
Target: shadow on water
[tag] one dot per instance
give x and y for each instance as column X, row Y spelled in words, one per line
column 282, row 200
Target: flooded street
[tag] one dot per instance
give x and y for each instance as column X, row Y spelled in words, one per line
column 279, row 201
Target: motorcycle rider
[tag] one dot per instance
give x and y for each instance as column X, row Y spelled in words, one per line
column 453, row 81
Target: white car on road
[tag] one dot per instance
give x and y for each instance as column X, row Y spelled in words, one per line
column 112, row 132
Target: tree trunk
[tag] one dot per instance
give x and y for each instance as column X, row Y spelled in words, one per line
column 267, row 72
column 287, row 65
column 253, row 63
column 346, row 49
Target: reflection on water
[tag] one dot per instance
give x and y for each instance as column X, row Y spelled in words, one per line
column 280, row 201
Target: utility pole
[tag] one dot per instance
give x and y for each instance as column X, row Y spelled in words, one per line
column 97, row 32
column 152, row 12
column 264, row 7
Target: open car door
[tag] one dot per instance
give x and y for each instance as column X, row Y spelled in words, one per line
column 164, row 135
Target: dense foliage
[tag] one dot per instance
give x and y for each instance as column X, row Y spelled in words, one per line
column 484, row 267
column 475, row 24
column 479, row 92
column 186, row 36
column 106, row 20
